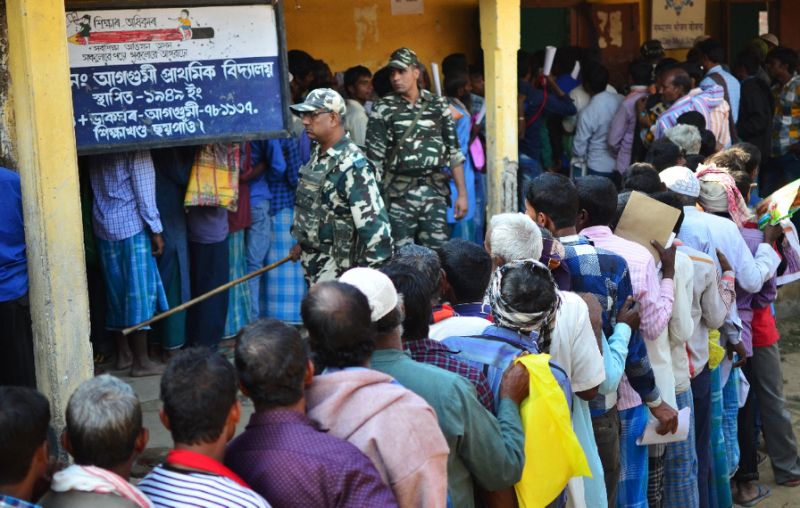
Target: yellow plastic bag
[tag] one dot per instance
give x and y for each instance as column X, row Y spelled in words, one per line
column 716, row 353
column 553, row 454
column 214, row 180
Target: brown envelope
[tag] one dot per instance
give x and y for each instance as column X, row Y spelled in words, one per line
column 645, row 219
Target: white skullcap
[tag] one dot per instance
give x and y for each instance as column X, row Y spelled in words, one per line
column 681, row 179
column 376, row 286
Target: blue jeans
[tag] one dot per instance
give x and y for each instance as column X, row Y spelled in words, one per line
column 257, row 243
column 528, row 170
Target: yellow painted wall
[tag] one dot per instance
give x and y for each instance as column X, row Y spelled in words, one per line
column 364, row 32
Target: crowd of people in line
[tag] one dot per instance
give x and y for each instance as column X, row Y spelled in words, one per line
column 474, row 362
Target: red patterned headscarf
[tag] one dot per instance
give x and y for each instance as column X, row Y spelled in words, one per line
column 718, row 193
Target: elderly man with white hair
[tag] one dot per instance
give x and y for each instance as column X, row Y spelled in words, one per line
column 686, row 137
column 513, row 236
column 573, row 346
column 104, row 435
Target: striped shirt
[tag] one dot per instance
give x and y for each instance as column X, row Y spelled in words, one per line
column 731, row 83
column 702, row 101
column 173, row 488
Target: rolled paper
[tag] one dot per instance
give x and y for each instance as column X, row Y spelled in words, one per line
column 549, row 55
column 437, row 84
column 576, row 70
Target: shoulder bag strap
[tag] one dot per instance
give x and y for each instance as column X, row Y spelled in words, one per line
column 407, row 133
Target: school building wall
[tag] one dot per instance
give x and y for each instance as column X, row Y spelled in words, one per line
column 359, row 32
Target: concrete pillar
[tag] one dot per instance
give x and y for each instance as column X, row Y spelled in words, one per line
column 47, row 161
column 500, row 39
column 8, row 151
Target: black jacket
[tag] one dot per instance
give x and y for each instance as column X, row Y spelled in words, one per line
column 755, row 114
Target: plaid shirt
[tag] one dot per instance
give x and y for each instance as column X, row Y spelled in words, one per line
column 786, row 121
column 282, row 185
column 605, row 275
column 434, row 353
column 124, row 188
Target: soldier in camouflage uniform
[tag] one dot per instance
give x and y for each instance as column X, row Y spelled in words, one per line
column 410, row 157
column 339, row 220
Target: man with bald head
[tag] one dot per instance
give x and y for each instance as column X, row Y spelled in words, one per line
column 366, row 407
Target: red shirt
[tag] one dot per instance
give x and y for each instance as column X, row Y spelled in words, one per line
column 765, row 333
column 241, row 218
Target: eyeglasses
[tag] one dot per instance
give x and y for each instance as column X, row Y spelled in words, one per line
column 314, row 114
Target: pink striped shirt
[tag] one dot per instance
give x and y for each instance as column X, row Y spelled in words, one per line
column 655, row 296
column 710, row 103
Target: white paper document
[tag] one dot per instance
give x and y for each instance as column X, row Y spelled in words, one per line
column 437, row 84
column 651, row 437
column 549, row 55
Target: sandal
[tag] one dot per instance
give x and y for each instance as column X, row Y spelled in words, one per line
column 790, row 483
column 763, row 493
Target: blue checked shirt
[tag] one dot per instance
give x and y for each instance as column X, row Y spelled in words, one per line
column 124, row 188
column 283, row 182
column 605, row 275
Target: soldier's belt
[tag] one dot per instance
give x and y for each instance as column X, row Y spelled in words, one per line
column 417, row 173
column 324, row 248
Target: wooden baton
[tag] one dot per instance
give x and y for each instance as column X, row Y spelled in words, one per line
column 205, row 296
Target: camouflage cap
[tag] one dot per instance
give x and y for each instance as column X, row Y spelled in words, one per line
column 321, row 98
column 403, row 58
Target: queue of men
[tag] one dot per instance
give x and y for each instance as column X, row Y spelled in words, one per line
column 432, row 370
column 358, row 413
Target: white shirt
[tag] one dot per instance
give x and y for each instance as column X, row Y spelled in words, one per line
column 580, row 97
column 355, row 122
column 751, row 272
column 678, row 331
column 708, row 313
column 574, row 348
column 591, row 137
column 458, row 326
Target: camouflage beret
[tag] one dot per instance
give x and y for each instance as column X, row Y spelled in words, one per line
column 403, row 58
column 321, row 98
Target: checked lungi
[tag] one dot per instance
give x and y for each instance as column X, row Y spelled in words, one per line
column 285, row 285
column 133, row 285
column 239, row 295
column 632, row 488
column 680, row 463
column 730, row 420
